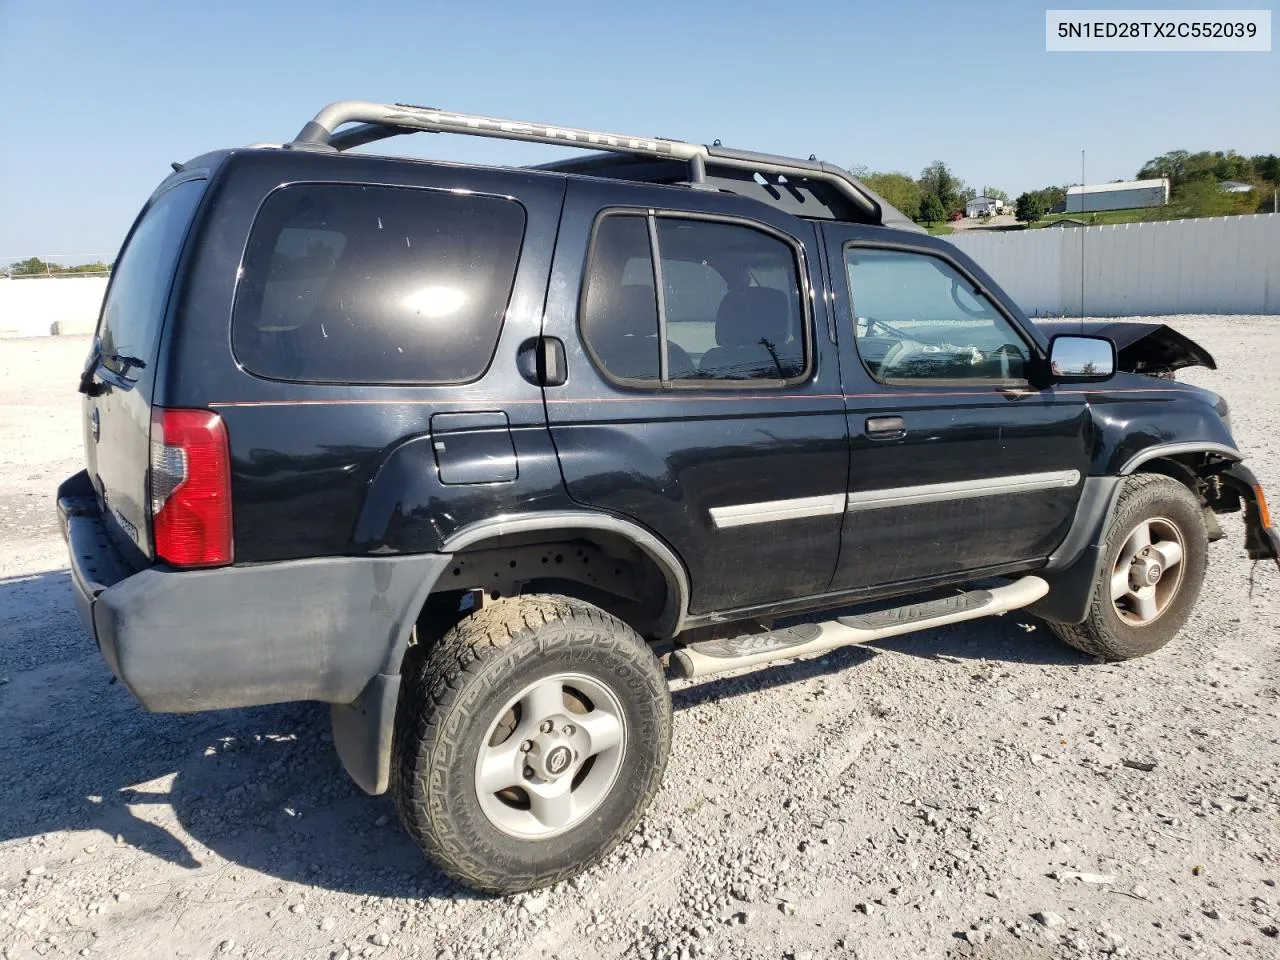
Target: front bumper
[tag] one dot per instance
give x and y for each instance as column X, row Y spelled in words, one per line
column 1261, row 541
column 187, row 640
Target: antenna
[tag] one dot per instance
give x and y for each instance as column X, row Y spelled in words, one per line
column 1084, row 227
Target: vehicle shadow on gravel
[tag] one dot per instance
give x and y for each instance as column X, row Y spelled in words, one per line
column 261, row 787
column 1014, row 638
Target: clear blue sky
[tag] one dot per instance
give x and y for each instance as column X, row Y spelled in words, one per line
column 100, row 97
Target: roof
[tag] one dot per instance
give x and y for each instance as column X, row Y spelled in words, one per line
column 1160, row 183
column 803, row 187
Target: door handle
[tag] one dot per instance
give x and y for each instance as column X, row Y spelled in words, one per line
column 886, row 428
column 552, row 369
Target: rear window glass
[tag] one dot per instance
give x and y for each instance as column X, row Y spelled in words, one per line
column 135, row 302
column 352, row 284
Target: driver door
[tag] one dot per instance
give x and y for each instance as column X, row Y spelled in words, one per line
column 958, row 463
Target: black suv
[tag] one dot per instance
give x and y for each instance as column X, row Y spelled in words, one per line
column 467, row 452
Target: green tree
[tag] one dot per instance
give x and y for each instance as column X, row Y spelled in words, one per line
column 995, row 193
column 1266, row 167
column 33, row 266
column 1172, row 165
column 938, row 181
column 932, row 210
column 898, row 188
column 1032, row 205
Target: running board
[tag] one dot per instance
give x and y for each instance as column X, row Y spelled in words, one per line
column 716, row 656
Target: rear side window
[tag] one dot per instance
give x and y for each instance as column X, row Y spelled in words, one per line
column 135, row 303
column 731, row 307
column 352, row 284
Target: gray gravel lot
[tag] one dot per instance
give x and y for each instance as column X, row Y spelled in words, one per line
column 958, row 793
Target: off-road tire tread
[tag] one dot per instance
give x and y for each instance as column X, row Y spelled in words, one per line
column 1097, row 635
column 436, row 677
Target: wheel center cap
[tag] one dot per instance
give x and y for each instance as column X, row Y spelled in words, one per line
column 551, row 757
column 1146, row 573
column 558, row 760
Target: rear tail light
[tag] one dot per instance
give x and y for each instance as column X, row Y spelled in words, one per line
column 190, row 488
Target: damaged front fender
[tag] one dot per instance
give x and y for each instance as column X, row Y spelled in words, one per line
column 1155, row 349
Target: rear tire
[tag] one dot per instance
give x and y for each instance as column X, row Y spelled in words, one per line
column 529, row 741
column 1154, row 561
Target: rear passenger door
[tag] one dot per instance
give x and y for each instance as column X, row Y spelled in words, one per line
column 725, row 436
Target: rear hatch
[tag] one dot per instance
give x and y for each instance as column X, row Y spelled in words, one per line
column 119, row 376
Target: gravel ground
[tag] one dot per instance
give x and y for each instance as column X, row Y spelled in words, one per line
column 962, row 792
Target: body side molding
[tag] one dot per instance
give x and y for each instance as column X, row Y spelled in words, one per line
column 962, row 489
column 770, row 511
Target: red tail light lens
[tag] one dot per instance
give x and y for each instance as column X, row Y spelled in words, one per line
column 190, row 488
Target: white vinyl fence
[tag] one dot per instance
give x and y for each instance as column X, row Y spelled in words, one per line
column 1211, row 265
column 30, row 306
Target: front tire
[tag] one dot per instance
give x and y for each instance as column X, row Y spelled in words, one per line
column 1154, row 561
column 529, row 741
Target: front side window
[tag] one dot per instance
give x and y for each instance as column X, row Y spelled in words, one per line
column 918, row 318
column 731, row 306
column 370, row 284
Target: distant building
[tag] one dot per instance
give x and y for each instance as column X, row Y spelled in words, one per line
column 1125, row 195
column 1066, row 222
column 1235, row 186
column 983, row 207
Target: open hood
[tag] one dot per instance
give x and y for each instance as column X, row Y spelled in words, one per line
column 1152, row 348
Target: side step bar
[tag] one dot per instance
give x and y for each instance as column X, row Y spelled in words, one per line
column 717, row 656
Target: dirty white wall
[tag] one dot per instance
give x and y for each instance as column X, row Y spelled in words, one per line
column 1210, row 265
column 29, row 307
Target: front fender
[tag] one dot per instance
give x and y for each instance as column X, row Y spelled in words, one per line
column 1135, row 426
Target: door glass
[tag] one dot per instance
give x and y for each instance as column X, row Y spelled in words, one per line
column 733, row 303
column 620, row 308
column 918, row 318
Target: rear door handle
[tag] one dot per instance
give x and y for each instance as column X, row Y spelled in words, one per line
column 886, row 428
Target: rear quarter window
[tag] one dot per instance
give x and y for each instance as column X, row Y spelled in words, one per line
column 344, row 283
column 135, row 303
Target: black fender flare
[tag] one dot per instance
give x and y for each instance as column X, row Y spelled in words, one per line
column 363, row 729
column 1073, row 568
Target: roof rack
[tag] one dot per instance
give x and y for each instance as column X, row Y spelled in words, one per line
column 789, row 181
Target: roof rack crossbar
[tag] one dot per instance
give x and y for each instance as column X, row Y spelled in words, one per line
column 378, row 121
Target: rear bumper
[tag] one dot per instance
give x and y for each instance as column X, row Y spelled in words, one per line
column 187, row 640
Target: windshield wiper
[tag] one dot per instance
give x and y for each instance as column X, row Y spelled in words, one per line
column 124, row 361
column 88, row 385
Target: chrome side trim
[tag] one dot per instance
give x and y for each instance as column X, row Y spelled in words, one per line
column 770, row 511
column 1173, row 449
column 566, row 521
column 961, row 490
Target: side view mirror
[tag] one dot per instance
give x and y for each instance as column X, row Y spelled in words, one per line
column 1083, row 359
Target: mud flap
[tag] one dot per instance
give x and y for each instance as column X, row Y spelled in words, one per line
column 362, row 733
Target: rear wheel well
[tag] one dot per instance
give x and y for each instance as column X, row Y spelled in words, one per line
column 598, row 566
